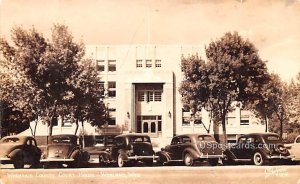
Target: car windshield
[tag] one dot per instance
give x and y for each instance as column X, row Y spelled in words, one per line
column 61, row 140
column 139, row 139
column 272, row 138
column 205, row 138
column 10, row 140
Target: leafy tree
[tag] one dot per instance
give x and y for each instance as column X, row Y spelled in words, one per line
column 274, row 102
column 54, row 73
column 234, row 73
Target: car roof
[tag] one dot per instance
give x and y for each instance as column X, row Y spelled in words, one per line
column 192, row 135
column 132, row 135
column 259, row 134
column 64, row 135
column 21, row 138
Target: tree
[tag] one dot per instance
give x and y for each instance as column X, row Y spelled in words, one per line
column 234, row 73
column 50, row 70
column 275, row 99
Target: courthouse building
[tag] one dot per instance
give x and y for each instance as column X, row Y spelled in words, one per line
column 141, row 85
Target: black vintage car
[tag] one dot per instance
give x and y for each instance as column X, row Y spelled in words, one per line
column 100, row 144
column 64, row 149
column 189, row 148
column 257, row 148
column 128, row 149
column 19, row 150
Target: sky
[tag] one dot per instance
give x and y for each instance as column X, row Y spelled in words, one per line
column 273, row 26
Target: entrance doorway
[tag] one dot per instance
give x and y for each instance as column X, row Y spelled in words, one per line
column 149, row 124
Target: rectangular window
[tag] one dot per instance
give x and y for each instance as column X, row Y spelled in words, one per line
column 139, row 63
column 186, row 121
column 244, row 122
column 148, row 63
column 112, row 65
column 186, row 116
column 101, row 84
column 157, row 63
column 139, row 124
column 157, row 96
column 159, row 123
column 100, row 65
column 141, row 96
column 111, row 88
column 112, row 121
column 67, row 122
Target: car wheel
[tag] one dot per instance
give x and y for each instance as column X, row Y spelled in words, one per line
column 258, row 159
column 188, row 159
column 19, row 162
column 120, row 161
column 213, row 161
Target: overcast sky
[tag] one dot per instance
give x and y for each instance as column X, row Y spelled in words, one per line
column 272, row 25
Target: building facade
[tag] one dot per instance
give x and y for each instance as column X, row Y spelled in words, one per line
column 141, row 93
column 141, row 85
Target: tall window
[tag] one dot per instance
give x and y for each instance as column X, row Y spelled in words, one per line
column 141, row 96
column 111, row 88
column 100, row 65
column 112, row 116
column 157, row 63
column 101, row 84
column 148, row 63
column 112, row 65
column 139, row 63
column 157, row 96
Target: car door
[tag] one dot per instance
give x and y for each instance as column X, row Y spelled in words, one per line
column 175, row 148
column 238, row 148
column 249, row 148
column 119, row 143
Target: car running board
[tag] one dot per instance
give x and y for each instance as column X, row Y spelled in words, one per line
column 242, row 160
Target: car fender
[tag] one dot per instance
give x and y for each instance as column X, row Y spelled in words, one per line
column 193, row 153
column 16, row 152
column 229, row 154
column 105, row 155
column 123, row 153
column 75, row 154
column 164, row 154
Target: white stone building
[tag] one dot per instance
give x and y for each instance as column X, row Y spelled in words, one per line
column 141, row 85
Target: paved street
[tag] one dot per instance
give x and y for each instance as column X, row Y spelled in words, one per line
column 169, row 174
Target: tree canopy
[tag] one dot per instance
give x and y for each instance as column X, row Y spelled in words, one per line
column 56, row 79
column 233, row 72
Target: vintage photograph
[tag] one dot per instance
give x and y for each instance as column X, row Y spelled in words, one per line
column 149, row 91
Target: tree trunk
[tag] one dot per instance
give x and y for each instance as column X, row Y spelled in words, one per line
column 266, row 121
column 76, row 129
column 34, row 132
column 50, row 127
column 224, row 129
column 83, row 143
column 281, row 128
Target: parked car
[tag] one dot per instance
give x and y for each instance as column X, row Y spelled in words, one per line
column 189, row 148
column 294, row 149
column 101, row 143
column 128, row 149
column 19, row 150
column 257, row 148
column 64, row 149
